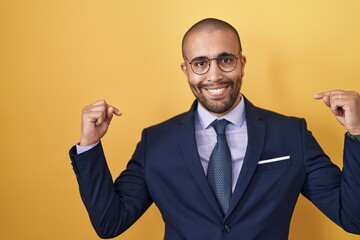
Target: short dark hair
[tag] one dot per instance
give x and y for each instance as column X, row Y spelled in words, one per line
column 209, row 24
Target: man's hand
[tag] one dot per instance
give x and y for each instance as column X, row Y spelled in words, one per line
column 95, row 121
column 345, row 105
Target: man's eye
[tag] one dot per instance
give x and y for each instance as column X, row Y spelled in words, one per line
column 226, row 60
column 199, row 63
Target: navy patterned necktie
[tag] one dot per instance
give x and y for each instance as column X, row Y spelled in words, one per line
column 219, row 171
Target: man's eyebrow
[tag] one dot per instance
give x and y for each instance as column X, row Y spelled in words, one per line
column 200, row 57
column 223, row 54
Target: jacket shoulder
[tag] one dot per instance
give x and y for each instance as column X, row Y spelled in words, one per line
column 271, row 115
column 170, row 123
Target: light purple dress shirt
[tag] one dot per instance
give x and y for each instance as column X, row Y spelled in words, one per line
column 236, row 136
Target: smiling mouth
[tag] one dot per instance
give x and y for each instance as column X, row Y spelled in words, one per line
column 216, row 91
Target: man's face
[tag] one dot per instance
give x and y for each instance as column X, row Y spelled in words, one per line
column 215, row 90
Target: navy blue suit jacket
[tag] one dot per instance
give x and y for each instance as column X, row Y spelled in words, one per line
column 166, row 169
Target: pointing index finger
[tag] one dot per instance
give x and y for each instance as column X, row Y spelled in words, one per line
column 115, row 110
column 321, row 95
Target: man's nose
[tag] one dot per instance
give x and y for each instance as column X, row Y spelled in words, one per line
column 214, row 73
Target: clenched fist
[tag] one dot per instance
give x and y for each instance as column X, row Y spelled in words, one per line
column 95, row 121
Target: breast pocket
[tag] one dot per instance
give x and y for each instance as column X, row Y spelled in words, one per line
column 274, row 163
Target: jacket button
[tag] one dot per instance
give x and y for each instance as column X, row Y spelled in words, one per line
column 226, row 228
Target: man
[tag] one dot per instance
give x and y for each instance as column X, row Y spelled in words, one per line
column 209, row 184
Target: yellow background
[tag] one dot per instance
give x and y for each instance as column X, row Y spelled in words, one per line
column 57, row 56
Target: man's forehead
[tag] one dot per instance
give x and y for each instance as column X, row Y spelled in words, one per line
column 211, row 43
column 209, row 33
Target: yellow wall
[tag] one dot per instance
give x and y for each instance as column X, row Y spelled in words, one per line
column 57, row 56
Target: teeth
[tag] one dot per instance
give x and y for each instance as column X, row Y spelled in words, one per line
column 218, row 90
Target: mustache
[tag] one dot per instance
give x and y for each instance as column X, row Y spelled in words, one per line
column 222, row 83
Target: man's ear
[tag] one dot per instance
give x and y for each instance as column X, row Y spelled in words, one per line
column 243, row 63
column 184, row 69
column 183, row 66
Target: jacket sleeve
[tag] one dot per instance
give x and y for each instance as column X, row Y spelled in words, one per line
column 336, row 193
column 112, row 206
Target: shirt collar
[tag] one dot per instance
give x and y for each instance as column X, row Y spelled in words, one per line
column 235, row 116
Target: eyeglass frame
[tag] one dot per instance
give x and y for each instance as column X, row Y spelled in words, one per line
column 217, row 61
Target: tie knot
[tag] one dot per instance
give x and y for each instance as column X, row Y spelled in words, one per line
column 220, row 125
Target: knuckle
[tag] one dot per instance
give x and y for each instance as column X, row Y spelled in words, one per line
column 102, row 102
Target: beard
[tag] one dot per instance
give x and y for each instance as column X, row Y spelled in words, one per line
column 217, row 105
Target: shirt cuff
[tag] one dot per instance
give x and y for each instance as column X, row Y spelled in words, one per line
column 354, row 137
column 82, row 149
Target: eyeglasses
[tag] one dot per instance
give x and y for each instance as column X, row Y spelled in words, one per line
column 201, row 65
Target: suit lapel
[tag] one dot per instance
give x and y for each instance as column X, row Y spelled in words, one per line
column 187, row 142
column 256, row 141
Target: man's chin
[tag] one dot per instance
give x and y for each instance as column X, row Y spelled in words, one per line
column 217, row 108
